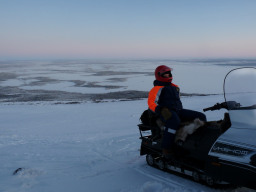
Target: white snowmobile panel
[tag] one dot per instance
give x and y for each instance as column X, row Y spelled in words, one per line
column 235, row 145
column 243, row 119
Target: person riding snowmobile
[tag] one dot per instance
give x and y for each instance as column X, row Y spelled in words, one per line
column 164, row 101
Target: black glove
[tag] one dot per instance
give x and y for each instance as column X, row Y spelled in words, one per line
column 166, row 113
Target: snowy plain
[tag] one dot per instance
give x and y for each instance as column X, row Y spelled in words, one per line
column 92, row 146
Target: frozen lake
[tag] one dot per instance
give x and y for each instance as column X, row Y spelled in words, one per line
column 83, row 80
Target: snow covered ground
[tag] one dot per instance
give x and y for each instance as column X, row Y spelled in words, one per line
column 84, row 147
column 90, row 146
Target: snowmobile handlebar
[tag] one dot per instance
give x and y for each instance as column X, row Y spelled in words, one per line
column 217, row 106
column 225, row 105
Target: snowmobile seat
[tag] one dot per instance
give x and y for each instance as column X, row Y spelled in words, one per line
column 150, row 121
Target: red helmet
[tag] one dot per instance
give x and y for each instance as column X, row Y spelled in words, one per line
column 160, row 71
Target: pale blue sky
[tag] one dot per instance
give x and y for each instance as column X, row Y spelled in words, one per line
column 127, row 28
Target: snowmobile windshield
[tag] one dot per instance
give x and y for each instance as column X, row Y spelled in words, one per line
column 240, row 89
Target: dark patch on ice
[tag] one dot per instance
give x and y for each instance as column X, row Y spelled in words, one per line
column 95, row 85
column 78, row 83
column 117, row 79
column 6, row 76
column 111, row 73
column 15, row 94
column 39, row 81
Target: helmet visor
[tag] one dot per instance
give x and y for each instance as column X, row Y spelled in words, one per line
column 166, row 73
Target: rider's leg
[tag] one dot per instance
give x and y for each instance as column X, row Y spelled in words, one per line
column 171, row 125
column 190, row 115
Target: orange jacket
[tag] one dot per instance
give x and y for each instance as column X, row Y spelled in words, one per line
column 164, row 95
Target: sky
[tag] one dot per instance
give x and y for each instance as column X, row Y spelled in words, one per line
column 127, row 28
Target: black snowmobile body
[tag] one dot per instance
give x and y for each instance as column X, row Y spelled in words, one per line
column 221, row 151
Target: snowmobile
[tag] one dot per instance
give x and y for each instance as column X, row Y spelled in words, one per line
column 218, row 152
